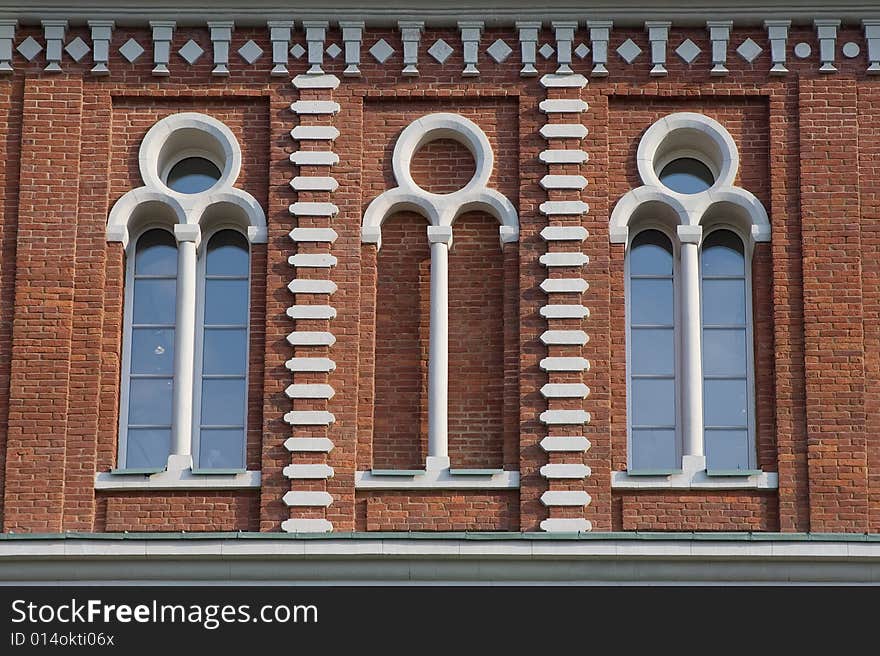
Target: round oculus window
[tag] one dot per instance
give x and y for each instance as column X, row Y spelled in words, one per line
column 193, row 175
column 687, row 175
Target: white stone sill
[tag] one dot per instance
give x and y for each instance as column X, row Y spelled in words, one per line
column 694, row 480
column 177, row 480
column 436, row 479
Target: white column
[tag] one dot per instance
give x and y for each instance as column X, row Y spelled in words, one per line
column 188, row 237
column 691, row 328
column 440, row 238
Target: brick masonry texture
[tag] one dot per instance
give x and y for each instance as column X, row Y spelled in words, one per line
column 809, row 146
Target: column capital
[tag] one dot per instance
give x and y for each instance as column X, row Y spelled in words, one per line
column 187, row 232
column 690, row 234
column 440, row 235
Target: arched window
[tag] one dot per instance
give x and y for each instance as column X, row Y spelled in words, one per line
column 652, row 407
column 148, row 359
column 727, row 353
column 220, row 407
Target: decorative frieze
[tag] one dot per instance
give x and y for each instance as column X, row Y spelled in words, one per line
column 658, row 35
column 279, row 35
column 54, row 31
column 470, row 38
column 162, row 33
column 777, row 33
column 221, row 37
column 352, row 35
column 102, row 31
column 719, row 35
column 410, row 33
column 826, row 32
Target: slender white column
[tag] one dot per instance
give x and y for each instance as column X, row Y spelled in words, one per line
column 440, row 238
column 188, row 237
column 692, row 370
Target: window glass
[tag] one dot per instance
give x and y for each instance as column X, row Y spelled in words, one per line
column 652, row 388
column 223, row 385
column 687, row 175
column 193, row 175
column 726, row 399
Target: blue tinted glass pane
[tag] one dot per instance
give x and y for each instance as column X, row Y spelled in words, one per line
column 147, row 447
column 221, row 448
column 687, row 176
column 154, row 301
column 651, row 301
column 652, row 351
column 225, row 351
column 724, row 352
column 223, row 402
column 228, row 254
column 727, row 449
column 152, row 351
column 723, row 255
column 653, row 449
column 193, row 175
column 725, row 403
column 226, row 302
column 149, row 401
column 724, row 302
column 650, row 254
column 653, row 402
column 156, row 254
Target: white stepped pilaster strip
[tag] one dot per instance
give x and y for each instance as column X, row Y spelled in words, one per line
column 563, row 259
column 311, row 338
column 314, row 158
column 313, row 209
column 308, row 472
column 314, row 133
column 561, row 525
column 297, row 312
column 322, row 235
column 565, row 364
column 314, row 183
column 304, row 286
column 559, row 417
column 564, row 131
column 557, row 156
column 309, row 391
column 553, row 81
column 565, row 391
column 574, row 444
column 563, row 182
column 308, row 498
column 564, row 285
column 563, row 106
column 309, row 418
column 306, row 526
column 565, row 312
column 316, row 82
column 313, row 107
column 315, row 260
column 564, row 337
column 563, row 207
column 565, row 498
column 565, row 471
column 309, row 444
column 310, row 365
column 564, row 233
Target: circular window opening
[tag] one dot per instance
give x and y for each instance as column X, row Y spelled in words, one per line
column 687, row 175
column 193, row 175
column 443, row 166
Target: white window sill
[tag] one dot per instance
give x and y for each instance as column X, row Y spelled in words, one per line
column 694, row 476
column 181, row 479
column 436, row 479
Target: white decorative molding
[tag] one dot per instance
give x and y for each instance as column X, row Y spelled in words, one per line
column 470, row 39
column 314, row 132
column 561, row 417
column 306, row 526
column 573, row 444
column 309, row 286
column 279, row 35
column 314, row 158
column 565, row 390
column 162, row 34
column 308, row 472
column 309, row 418
column 308, row 444
column 411, row 34
column 302, row 208
column 563, row 182
column 719, row 35
column 301, row 365
column 600, row 34
column 658, row 34
column 499, row 51
column 313, row 183
column 177, row 479
column 7, row 37
column 564, row 285
column 565, row 498
column 315, row 260
column 54, row 31
column 317, row 312
column 102, row 32
column 564, row 233
column 318, row 235
column 566, row 525
column 777, row 33
column 563, row 156
column 308, row 498
column 528, row 39
column 352, row 35
column 695, row 477
column 558, row 80
column 564, row 36
column 564, row 337
column 563, row 207
column 566, row 471
column 826, row 32
column 311, row 338
column 872, row 37
column 437, row 479
column 315, row 32
column 221, row 37
column 564, row 364
column 565, row 311
column 563, row 259
column 562, row 106
column 315, row 81
column 564, row 131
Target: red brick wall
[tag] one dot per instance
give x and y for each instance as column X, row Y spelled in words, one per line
column 808, row 149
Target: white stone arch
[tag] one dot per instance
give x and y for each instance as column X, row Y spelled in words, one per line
column 239, row 207
column 627, row 209
column 738, row 206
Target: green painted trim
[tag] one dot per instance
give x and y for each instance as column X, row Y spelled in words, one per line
column 218, row 472
column 142, row 471
column 475, row 472
column 652, row 472
column 396, row 472
column 733, row 472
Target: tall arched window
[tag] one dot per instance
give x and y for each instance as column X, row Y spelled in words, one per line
column 727, row 353
column 652, row 407
column 148, row 358
column 220, row 406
